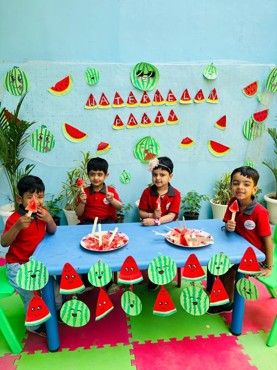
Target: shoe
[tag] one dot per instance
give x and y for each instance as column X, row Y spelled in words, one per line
column 225, row 308
column 112, row 289
column 152, row 286
column 41, row 331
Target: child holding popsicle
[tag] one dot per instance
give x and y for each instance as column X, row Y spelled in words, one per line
column 249, row 219
column 24, row 230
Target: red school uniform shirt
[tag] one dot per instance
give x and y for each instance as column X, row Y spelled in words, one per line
column 252, row 224
column 26, row 240
column 170, row 202
column 98, row 205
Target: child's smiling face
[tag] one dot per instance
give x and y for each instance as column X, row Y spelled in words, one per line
column 97, row 178
column 161, row 178
column 243, row 187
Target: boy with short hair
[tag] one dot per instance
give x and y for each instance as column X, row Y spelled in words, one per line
column 22, row 234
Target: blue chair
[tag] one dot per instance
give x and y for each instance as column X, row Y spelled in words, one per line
column 6, row 290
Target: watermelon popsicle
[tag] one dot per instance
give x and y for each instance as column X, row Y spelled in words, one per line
column 32, row 206
column 80, row 183
column 234, row 208
column 158, row 203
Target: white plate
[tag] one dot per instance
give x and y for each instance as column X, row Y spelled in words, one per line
column 92, row 244
column 204, row 239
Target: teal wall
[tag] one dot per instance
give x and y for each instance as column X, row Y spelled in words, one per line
column 50, row 40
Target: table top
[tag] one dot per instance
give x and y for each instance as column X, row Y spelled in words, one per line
column 144, row 245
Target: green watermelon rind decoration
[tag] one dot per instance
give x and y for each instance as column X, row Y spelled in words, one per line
column 16, row 87
column 251, row 89
column 260, row 116
column 99, row 317
column 58, row 89
column 72, row 291
column 147, row 141
column 25, row 281
column 132, row 281
column 271, row 82
column 125, row 299
column 217, row 149
column 163, row 314
column 246, row 272
column 145, row 85
column 156, row 266
column 73, row 134
column 38, row 322
column 92, row 76
column 210, row 72
column 243, row 283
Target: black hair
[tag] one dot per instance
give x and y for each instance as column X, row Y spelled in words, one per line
column 98, row 164
column 165, row 163
column 30, row 184
column 247, row 171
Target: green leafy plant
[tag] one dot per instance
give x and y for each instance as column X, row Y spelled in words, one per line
column 222, row 189
column 13, row 138
column 120, row 214
column 191, row 202
column 53, row 205
column 272, row 164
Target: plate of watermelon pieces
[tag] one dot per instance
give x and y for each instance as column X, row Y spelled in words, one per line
column 110, row 241
column 189, row 238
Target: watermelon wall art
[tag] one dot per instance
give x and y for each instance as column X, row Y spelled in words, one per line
column 42, row 140
column 131, row 303
column 100, row 274
column 145, row 76
column 72, row 134
column 146, row 149
column 247, row 289
column 75, row 313
column 92, row 76
column 62, row 87
column 16, row 81
column 32, row 275
column 162, row 270
column 194, row 300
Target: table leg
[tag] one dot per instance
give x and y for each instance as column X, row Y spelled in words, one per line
column 51, row 324
column 238, row 310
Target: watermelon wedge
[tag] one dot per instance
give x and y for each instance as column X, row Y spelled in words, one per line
column 221, row 123
column 132, row 122
column 103, row 148
column 62, row 87
column 186, row 143
column 164, row 305
column 91, row 102
column 118, row 101
column 185, row 98
column 172, row 118
column 249, row 263
column 129, row 272
column 218, row 294
column 193, row 271
column 145, row 121
column 32, row 206
column 132, row 101
column 145, row 100
column 234, row 207
column 199, row 97
column 103, row 102
column 212, row 98
column 260, row 116
column 251, row 89
column 217, row 149
column 158, row 99
column 37, row 311
column 70, row 281
column 159, row 120
column 72, row 133
column 104, row 305
column 117, row 123
column 171, row 99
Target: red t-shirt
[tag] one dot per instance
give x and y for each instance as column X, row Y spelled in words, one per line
column 170, row 202
column 26, row 240
column 252, row 224
column 97, row 205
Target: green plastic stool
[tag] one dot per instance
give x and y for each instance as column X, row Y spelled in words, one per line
column 6, row 290
column 272, row 339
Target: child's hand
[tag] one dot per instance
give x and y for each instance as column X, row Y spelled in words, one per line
column 23, row 222
column 43, row 215
column 265, row 272
column 148, row 221
column 109, row 196
column 83, row 197
column 230, row 225
column 157, row 213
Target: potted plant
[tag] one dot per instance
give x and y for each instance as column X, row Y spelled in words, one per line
column 13, row 138
column 70, row 191
column 191, row 204
column 53, row 206
column 222, row 195
column 120, row 214
column 271, row 198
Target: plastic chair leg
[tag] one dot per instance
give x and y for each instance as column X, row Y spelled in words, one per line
column 9, row 334
column 272, row 339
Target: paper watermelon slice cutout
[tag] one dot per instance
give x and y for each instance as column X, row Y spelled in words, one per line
column 251, row 89
column 186, row 143
column 103, row 102
column 70, row 281
column 212, row 98
column 131, row 101
column 72, row 133
column 260, row 116
column 104, row 305
column 159, row 119
column 37, row 311
column 158, row 99
column 199, row 97
column 117, row 123
column 145, row 121
column 132, row 122
column 193, row 271
column 91, row 102
column 103, row 147
column 172, row 118
column 221, row 123
column 62, row 87
column 171, row 99
column 217, row 149
column 185, row 98
column 145, row 100
column 249, row 263
column 118, row 102
column 218, row 294
column 129, row 272
column 164, row 305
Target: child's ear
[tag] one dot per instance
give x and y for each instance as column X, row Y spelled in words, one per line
column 255, row 189
column 107, row 175
column 19, row 199
column 170, row 176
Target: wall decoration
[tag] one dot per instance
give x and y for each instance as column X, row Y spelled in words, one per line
column 146, row 149
column 217, row 149
column 37, row 312
column 145, row 76
column 131, row 303
column 186, row 143
column 199, row 97
column 218, row 294
column 210, row 72
column 92, row 76
column 249, row 263
column 117, row 123
column 103, row 102
column 171, row 99
column 260, row 116
column 271, row 82
column 221, row 123
column 185, row 98
column 75, row 313
column 125, row 177
column 251, row 89
column 118, row 102
column 70, row 280
column 16, row 81
column 103, row 148
column 162, row 270
column 42, row 140
column 72, row 133
column 129, row 272
column 193, row 271
column 247, row 289
column 213, row 98
column 100, row 274
column 194, row 300
column 132, row 122
column 172, row 119
column 219, row 264
column 164, row 305
column 159, row 120
column 158, row 99
column 104, row 305
column 145, row 100
column 252, row 130
column 32, row 275
column 145, row 121
column 62, row 87
column 131, row 101
column 91, row 102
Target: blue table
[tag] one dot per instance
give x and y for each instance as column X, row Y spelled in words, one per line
column 55, row 250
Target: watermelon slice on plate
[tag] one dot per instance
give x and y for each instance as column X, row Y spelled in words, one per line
column 91, row 102
column 164, row 305
column 104, row 102
column 70, row 281
column 213, row 98
column 129, row 272
column 159, row 120
column 186, row 143
column 62, row 87
column 103, row 147
column 117, row 123
column 185, row 98
column 199, row 97
column 72, row 133
column 218, row 294
column 104, row 305
column 249, row 263
column 221, row 123
column 171, row 99
column 37, row 311
column 251, row 89
column 193, row 271
column 217, row 149
column 260, row 116
column 158, row 99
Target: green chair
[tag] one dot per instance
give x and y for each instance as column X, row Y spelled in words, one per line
column 271, row 281
column 272, row 339
column 6, row 290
